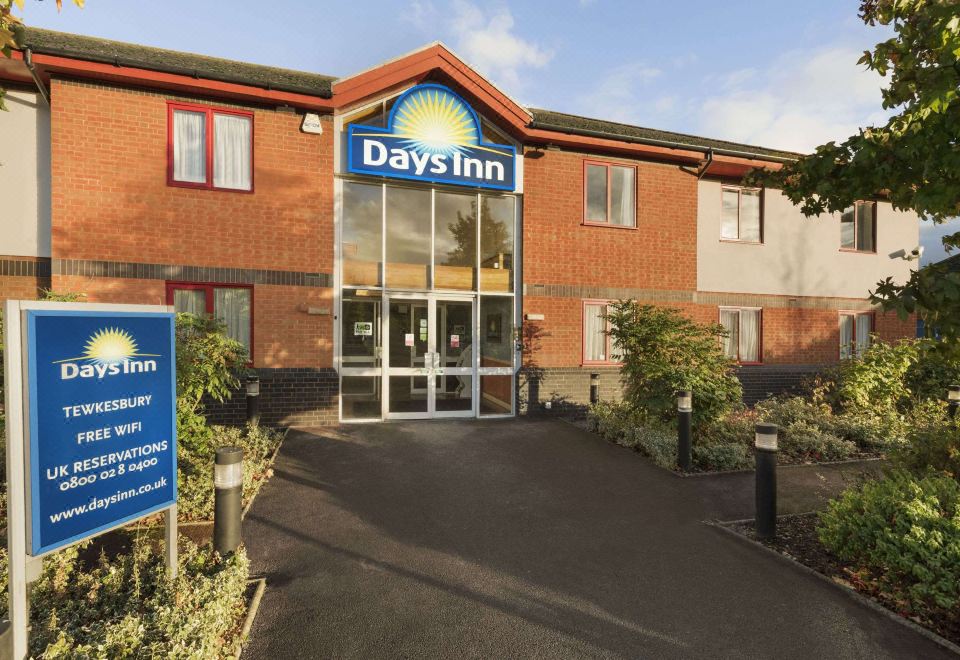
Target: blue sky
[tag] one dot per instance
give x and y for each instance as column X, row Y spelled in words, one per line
column 775, row 74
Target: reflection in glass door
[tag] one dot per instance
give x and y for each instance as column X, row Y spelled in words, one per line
column 430, row 356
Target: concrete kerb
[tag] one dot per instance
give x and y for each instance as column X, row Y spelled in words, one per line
column 725, row 527
column 254, row 607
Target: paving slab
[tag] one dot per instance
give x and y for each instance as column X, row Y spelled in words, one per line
column 522, row 539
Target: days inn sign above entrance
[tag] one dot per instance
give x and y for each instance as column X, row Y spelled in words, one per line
column 432, row 135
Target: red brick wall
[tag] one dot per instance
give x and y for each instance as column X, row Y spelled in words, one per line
column 558, row 249
column 111, row 202
column 19, row 287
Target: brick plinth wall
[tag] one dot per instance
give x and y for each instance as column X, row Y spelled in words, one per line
column 566, row 388
column 288, row 397
column 762, row 381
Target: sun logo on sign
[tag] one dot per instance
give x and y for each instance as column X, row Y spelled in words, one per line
column 436, row 122
column 110, row 346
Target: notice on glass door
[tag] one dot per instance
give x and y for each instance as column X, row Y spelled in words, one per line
column 408, row 339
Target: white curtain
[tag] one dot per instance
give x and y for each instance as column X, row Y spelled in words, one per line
column 730, row 320
column 729, row 221
column 231, row 151
column 594, row 338
column 189, row 146
column 846, row 336
column 750, row 335
column 750, row 216
column 190, row 301
column 863, row 332
column 624, row 208
column 232, row 306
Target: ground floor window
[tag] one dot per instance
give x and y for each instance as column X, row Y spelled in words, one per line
column 598, row 346
column 855, row 331
column 232, row 304
column 744, row 333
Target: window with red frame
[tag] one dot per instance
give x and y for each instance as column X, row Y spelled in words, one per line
column 610, row 194
column 744, row 332
column 209, row 148
column 855, row 332
column 233, row 305
column 598, row 346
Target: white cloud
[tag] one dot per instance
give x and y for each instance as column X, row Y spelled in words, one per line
column 486, row 38
column 489, row 42
column 797, row 102
column 615, row 96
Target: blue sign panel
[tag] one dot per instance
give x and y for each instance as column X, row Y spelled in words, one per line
column 102, row 421
column 432, row 135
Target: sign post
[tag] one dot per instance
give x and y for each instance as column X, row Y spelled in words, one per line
column 91, row 431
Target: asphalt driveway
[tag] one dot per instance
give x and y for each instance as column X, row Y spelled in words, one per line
column 501, row 539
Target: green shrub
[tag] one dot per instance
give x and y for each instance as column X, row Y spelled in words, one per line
column 905, row 531
column 932, row 445
column 195, row 467
column 663, row 351
column 722, row 456
column 804, row 442
column 659, row 443
column 934, row 371
column 126, row 607
column 877, row 379
column 208, row 365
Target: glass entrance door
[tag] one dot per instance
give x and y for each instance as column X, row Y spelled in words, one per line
column 429, row 356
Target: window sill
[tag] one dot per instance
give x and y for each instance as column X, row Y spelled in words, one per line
column 585, row 223
column 737, row 240
column 203, row 186
column 750, row 364
column 851, row 251
column 601, row 364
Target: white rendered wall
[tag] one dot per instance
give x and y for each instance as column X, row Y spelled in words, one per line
column 799, row 256
column 25, row 176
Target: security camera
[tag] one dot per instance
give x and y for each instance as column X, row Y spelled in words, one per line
column 911, row 255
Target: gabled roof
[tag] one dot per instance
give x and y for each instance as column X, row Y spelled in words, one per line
column 119, row 53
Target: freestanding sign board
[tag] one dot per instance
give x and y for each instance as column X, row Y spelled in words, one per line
column 91, row 428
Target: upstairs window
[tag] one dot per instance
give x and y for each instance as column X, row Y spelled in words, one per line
column 610, row 194
column 855, row 331
column 209, row 148
column 740, row 218
column 743, row 326
column 858, row 228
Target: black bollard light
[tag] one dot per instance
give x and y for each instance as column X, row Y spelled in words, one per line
column 228, row 499
column 594, row 388
column 953, row 400
column 253, row 400
column 766, row 513
column 684, row 429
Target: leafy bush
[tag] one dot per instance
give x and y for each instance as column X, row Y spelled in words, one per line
column 195, row 467
column 905, row 531
column 664, row 352
column 932, row 445
column 803, row 442
column 619, row 423
column 877, row 379
column 208, row 365
column 722, row 456
column 126, row 607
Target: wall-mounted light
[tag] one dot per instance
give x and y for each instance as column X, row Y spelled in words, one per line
column 533, row 317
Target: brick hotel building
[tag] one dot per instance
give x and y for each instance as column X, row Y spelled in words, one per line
column 367, row 280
